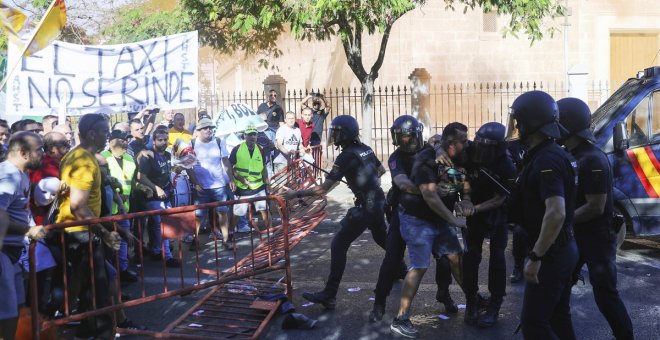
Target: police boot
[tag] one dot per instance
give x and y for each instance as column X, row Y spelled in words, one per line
column 377, row 313
column 489, row 318
column 471, row 310
column 450, row 305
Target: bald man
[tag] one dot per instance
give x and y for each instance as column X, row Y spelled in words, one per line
column 56, row 146
column 66, row 130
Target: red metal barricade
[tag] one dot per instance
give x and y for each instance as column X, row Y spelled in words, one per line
column 246, row 266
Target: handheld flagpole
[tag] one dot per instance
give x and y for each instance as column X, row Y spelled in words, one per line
column 27, row 45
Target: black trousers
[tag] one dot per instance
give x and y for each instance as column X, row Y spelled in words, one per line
column 546, row 311
column 79, row 256
column 356, row 221
column 477, row 231
column 520, row 247
column 597, row 248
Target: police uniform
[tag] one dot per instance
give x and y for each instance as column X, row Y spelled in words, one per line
column 596, row 239
column 359, row 165
column 489, row 224
column 516, row 150
column 548, row 171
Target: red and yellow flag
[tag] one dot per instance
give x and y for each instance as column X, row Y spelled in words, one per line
column 647, row 168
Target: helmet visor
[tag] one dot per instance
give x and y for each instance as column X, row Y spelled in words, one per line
column 512, row 131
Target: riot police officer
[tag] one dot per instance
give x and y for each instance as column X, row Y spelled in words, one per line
column 594, row 230
column 491, row 173
column 362, row 170
column 543, row 204
column 517, row 150
column 407, row 136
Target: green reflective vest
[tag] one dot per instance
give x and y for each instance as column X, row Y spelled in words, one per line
column 124, row 174
column 250, row 167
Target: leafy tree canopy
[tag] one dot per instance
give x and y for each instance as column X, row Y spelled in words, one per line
column 135, row 23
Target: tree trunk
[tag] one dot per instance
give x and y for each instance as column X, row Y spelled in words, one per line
column 367, row 109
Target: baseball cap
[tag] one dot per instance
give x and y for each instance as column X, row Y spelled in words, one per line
column 250, row 129
column 118, row 134
column 204, row 123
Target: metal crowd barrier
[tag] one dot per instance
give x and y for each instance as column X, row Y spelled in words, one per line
column 267, row 252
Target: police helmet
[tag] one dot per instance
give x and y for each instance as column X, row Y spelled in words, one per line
column 575, row 117
column 488, row 143
column 407, row 125
column 536, row 111
column 343, row 130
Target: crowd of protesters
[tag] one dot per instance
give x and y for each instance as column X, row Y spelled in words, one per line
column 52, row 172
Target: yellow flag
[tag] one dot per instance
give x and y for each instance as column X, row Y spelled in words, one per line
column 50, row 27
column 12, row 21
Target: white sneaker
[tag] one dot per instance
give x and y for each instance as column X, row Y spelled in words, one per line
column 189, row 238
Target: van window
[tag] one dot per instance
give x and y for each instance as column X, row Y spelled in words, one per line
column 637, row 124
column 655, row 129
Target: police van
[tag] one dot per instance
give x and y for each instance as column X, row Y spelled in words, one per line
column 627, row 129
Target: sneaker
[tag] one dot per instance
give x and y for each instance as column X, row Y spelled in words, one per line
column 189, row 238
column 172, row 263
column 377, row 313
column 218, row 235
column 128, row 324
column 227, row 246
column 244, row 229
column 404, row 327
column 323, row 298
column 127, row 276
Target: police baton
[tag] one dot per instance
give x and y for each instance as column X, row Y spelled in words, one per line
column 496, row 182
column 318, row 168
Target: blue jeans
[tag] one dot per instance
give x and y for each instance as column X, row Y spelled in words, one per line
column 155, row 233
column 123, row 247
column 212, row 195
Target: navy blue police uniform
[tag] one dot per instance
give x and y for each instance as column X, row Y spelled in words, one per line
column 488, row 224
column 596, row 239
column 359, row 165
column 548, row 171
column 516, row 150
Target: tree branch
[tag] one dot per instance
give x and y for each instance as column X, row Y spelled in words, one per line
column 381, row 53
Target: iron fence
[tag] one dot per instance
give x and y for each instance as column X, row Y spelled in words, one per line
column 470, row 103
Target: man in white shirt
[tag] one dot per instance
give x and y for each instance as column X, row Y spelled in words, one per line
column 215, row 181
column 288, row 142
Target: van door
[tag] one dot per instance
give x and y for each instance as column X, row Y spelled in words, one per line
column 637, row 173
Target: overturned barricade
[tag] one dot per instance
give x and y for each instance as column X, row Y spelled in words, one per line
column 241, row 296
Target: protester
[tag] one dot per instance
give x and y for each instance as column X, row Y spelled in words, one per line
column 48, row 122
column 178, row 131
column 305, row 125
column 273, row 111
column 141, row 139
column 266, row 140
column 5, row 133
column 26, row 125
column 288, row 140
column 250, row 175
column 168, row 115
column 214, row 177
column 66, row 130
column 154, row 168
column 122, row 167
column 427, row 223
column 80, row 172
column 25, row 153
column 55, row 147
column 320, row 110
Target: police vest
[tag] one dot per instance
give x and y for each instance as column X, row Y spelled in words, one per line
column 124, row 174
column 365, row 178
column 249, row 167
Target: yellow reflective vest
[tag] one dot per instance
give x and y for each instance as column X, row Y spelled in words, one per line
column 250, row 167
column 124, row 174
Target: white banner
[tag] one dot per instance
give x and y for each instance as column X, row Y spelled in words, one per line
column 236, row 118
column 88, row 78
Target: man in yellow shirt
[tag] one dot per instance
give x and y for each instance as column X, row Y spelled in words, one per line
column 178, row 131
column 80, row 171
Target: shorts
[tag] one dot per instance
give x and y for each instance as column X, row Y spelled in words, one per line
column 212, row 195
column 11, row 286
column 424, row 238
column 242, row 208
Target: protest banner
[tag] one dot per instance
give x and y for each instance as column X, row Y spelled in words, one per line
column 235, row 118
column 87, row 78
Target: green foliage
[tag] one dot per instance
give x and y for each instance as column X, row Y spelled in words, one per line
column 133, row 24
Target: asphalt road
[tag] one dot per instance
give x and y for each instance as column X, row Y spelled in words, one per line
column 638, row 266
